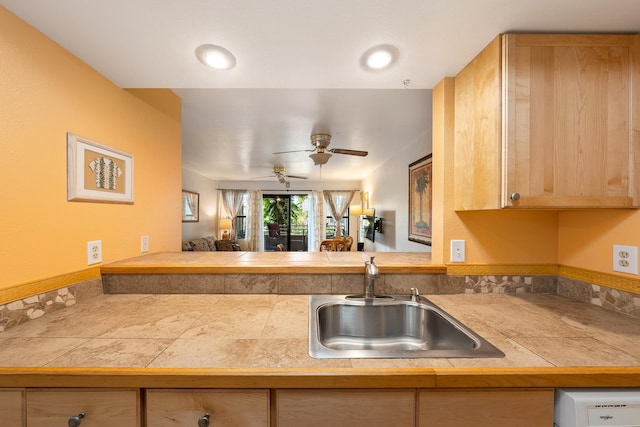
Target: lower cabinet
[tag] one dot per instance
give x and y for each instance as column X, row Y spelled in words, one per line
column 345, row 408
column 75, row 407
column 217, row 408
column 12, row 407
column 87, row 407
column 485, row 408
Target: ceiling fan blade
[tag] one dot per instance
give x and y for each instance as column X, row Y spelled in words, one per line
column 297, row 177
column 350, row 152
column 294, row 151
column 264, row 177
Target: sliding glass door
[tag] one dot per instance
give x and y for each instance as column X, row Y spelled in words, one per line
column 286, row 222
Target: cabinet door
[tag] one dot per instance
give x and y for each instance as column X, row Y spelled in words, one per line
column 100, row 408
column 183, row 408
column 12, row 407
column 568, row 121
column 345, row 408
column 485, row 408
column 477, row 151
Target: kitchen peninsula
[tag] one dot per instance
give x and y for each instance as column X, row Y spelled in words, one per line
column 175, row 336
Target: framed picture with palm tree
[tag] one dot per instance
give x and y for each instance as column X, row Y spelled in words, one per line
column 420, row 200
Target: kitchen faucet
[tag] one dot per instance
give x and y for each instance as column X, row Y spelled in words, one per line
column 370, row 276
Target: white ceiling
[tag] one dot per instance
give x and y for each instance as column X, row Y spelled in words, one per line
column 298, row 66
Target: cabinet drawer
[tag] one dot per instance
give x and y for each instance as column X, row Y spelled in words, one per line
column 485, row 408
column 101, row 408
column 12, row 407
column 345, row 408
column 178, row 408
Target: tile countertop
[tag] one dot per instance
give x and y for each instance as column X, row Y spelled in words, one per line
column 274, row 262
column 270, row 332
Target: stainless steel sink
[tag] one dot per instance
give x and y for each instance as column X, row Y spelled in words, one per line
column 342, row 326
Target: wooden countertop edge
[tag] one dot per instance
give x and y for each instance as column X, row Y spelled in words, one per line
column 428, row 378
column 268, row 269
column 583, row 376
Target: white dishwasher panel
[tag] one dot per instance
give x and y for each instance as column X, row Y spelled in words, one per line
column 597, row 407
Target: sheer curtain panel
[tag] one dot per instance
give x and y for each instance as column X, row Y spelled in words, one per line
column 338, row 201
column 232, row 201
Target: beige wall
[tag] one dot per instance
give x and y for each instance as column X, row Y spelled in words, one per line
column 47, row 92
column 207, row 188
column 388, row 187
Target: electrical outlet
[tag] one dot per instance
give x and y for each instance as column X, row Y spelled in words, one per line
column 625, row 259
column 94, row 252
column 457, row 251
column 144, row 244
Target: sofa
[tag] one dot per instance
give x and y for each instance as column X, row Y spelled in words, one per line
column 210, row 243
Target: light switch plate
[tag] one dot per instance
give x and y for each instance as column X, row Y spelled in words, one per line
column 625, row 259
column 457, row 251
column 144, row 244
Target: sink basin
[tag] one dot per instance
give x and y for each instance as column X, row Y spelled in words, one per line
column 342, row 326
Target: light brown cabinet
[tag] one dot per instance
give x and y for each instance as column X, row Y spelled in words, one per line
column 92, row 407
column 485, row 408
column 219, row 408
column 345, row 408
column 549, row 121
column 12, row 407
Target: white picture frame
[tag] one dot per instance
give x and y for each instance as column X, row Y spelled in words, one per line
column 97, row 172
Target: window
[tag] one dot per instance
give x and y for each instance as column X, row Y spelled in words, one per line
column 331, row 226
column 289, row 215
column 240, row 223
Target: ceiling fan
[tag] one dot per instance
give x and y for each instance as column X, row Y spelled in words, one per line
column 321, row 154
column 280, row 173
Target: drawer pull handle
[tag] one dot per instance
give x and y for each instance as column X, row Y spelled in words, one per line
column 76, row 420
column 204, row 420
column 515, row 196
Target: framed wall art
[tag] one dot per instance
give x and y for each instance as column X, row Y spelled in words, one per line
column 98, row 173
column 190, row 206
column 420, row 173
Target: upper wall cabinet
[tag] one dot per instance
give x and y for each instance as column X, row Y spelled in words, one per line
column 549, row 121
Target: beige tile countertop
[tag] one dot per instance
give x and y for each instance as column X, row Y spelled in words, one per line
column 274, row 262
column 271, row 331
column 261, row 340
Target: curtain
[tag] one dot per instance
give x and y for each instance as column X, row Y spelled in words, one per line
column 254, row 222
column 232, row 201
column 338, row 202
column 317, row 218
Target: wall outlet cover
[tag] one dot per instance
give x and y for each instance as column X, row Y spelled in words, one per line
column 144, row 244
column 625, row 259
column 94, row 252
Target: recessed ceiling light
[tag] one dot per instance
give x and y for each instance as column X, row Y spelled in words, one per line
column 215, row 57
column 379, row 57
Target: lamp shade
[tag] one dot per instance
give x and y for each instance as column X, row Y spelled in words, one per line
column 320, row 158
column 225, row 224
column 355, row 210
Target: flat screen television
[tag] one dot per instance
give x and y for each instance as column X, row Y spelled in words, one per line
column 368, row 224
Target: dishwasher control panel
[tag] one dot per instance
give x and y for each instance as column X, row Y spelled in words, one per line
column 586, row 407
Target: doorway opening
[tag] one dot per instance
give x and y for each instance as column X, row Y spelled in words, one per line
column 286, row 222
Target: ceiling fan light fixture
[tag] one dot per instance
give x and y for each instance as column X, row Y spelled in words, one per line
column 320, row 158
column 215, row 57
column 380, row 57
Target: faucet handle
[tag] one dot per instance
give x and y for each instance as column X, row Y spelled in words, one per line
column 415, row 295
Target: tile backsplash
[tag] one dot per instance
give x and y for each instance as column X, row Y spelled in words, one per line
column 33, row 307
